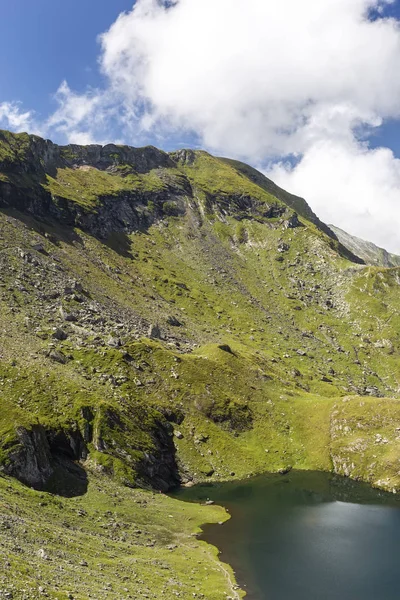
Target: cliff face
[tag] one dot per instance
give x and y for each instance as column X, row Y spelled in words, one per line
column 101, row 190
column 108, row 189
column 177, row 317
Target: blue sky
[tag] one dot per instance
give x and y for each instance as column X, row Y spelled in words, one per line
column 308, row 92
column 46, row 41
column 43, row 42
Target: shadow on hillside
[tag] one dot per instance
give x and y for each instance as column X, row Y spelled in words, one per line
column 120, row 243
column 54, row 232
column 68, row 480
column 57, row 233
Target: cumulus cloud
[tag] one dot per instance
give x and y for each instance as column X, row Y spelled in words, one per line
column 13, row 117
column 247, row 77
column 263, row 80
column 75, row 114
column 346, row 182
column 268, row 79
column 350, row 186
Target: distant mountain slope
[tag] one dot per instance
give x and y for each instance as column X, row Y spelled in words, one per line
column 369, row 252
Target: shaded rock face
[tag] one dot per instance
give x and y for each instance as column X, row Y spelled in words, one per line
column 140, row 160
column 124, row 212
column 125, row 215
column 31, row 462
column 243, row 207
column 292, row 222
column 43, row 156
column 153, row 458
column 159, row 469
column 42, row 455
column 184, row 156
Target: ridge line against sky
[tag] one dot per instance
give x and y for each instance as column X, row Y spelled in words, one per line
column 307, row 92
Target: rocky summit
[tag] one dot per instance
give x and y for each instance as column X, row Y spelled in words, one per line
column 167, row 319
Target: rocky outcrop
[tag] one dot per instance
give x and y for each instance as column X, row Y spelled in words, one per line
column 42, row 458
column 31, row 461
column 143, row 442
column 158, row 469
column 32, row 154
column 39, row 453
column 27, row 161
column 124, row 213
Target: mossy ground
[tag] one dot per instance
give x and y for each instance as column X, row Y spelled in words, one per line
column 86, row 186
column 111, row 543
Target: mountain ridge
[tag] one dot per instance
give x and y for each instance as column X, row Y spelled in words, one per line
column 115, row 192
column 46, row 158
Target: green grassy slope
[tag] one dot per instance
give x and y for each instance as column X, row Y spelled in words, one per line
column 167, row 316
column 110, row 543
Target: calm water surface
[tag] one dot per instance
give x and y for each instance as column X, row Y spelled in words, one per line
column 307, row 536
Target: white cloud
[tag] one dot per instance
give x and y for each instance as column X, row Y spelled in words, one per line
column 78, row 116
column 347, row 183
column 271, row 78
column 350, row 186
column 260, row 80
column 12, row 117
column 78, row 119
column 245, row 76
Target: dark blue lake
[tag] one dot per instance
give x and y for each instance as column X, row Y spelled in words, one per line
column 307, row 536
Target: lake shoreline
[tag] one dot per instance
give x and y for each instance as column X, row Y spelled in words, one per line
column 298, row 491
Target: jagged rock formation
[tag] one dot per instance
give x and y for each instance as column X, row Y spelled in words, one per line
column 142, row 292
column 43, row 459
column 369, row 252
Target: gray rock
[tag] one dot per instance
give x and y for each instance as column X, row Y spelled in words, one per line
column 59, row 334
column 67, row 316
column 292, row 222
column 31, row 461
column 39, row 247
column 283, row 247
column 114, row 342
column 173, row 321
column 154, row 332
column 58, row 356
column 225, row 348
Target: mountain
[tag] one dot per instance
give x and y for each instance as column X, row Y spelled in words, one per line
column 369, row 252
column 171, row 318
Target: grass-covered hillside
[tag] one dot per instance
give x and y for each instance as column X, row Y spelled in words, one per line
column 166, row 318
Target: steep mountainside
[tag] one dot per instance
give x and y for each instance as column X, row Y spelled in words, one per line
column 295, row 202
column 166, row 318
column 370, row 253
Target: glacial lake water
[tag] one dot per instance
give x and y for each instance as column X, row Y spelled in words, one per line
column 307, row 536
